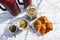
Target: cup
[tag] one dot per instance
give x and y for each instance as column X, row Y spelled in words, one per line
column 32, row 11
column 20, row 23
column 27, row 25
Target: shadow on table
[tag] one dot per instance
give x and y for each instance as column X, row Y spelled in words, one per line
column 7, row 34
column 31, row 29
column 5, row 16
column 26, row 35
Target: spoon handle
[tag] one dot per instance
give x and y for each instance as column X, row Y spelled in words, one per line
column 14, row 34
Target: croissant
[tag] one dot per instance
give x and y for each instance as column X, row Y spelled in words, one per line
column 38, row 28
column 43, row 19
column 49, row 25
column 43, row 29
column 38, row 25
column 42, row 25
column 38, row 22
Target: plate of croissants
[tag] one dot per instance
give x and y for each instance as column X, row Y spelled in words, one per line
column 42, row 25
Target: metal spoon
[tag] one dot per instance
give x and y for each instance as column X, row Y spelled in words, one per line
column 14, row 34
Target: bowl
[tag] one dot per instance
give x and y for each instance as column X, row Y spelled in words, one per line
column 16, row 22
column 10, row 30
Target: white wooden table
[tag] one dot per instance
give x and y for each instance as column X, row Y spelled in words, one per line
column 49, row 8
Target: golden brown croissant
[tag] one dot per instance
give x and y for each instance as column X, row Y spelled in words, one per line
column 38, row 22
column 38, row 25
column 43, row 29
column 38, row 28
column 49, row 25
column 42, row 25
column 43, row 19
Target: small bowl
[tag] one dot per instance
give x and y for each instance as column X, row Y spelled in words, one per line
column 26, row 26
column 29, row 12
column 16, row 21
column 12, row 32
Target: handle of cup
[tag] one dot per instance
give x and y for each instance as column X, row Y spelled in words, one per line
column 20, row 2
column 2, row 8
